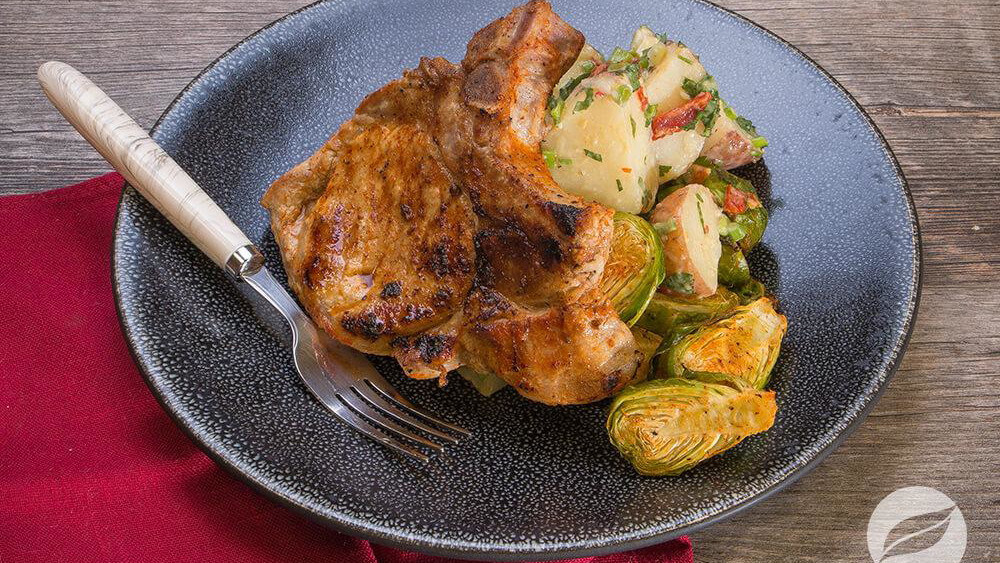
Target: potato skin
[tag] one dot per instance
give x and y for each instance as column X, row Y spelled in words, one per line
column 693, row 245
column 602, row 157
column 729, row 144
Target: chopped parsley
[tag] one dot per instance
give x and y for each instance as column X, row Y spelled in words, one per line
column 556, row 107
column 566, row 90
column 594, row 155
column 620, row 55
column 622, row 94
column 586, row 101
column 631, row 71
column 664, row 170
column 644, row 59
column 694, row 87
column 759, row 142
column 746, row 125
column 665, row 227
column 701, row 216
column 632, row 121
column 649, row 113
column 706, row 117
column 685, row 59
column 553, row 160
column 732, row 114
column 619, row 183
column 681, row 282
column 731, row 229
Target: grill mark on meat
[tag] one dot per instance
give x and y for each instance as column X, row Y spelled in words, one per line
column 416, row 312
column 567, row 216
column 328, row 229
column 447, row 258
column 391, row 289
column 368, row 325
column 442, row 297
column 430, row 348
column 459, row 145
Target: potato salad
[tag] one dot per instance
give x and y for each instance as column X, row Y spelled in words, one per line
column 646, row 132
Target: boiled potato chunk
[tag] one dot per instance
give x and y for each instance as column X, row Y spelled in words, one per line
column 588, row 58
column 668, row 68
column 690, row 237
column 602, row 150
column 730, row 144
column 675, row 152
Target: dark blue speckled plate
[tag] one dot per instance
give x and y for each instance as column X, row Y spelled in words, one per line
column 842, row 254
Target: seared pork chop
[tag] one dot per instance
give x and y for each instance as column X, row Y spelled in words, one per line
column 428, row 227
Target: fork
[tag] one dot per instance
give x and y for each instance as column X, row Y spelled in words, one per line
column 341, row 378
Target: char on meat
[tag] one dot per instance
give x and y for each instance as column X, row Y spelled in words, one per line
column 429, row 228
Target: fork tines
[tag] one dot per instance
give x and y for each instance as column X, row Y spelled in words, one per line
column 382, row 414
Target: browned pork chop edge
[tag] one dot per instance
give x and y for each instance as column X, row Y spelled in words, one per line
column 429, row 228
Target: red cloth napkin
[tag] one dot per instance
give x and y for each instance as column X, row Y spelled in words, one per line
column 91, row 469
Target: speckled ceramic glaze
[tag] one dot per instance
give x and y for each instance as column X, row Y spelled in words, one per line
column 841, row 253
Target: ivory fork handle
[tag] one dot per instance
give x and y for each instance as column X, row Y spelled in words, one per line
column 146, row 166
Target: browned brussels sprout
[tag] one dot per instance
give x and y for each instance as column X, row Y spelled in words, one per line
column 744, row 345
column 672, row 315
column 634, row 268
column 667, row 426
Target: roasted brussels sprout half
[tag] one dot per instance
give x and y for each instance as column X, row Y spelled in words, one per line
column 750, row 291
column 744, row 345
column 746, row 218
column 485, row 383
column 648, row 343
column 667, row 426
column 733, row 268
column 673, row 315
column 634, row 268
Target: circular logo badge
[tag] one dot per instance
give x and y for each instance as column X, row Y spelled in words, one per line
column 911, row 502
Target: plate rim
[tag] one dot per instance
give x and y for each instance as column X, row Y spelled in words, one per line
column 488, row 554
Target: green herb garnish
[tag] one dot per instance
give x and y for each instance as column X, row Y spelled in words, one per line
column 619, row 183
column 622, row 94
column 681, row 282
column 759, row 142
column 566, row 90
column 731, row 229
column 664, row 170
column 662, row 37
column 552, row 159
column 586, row 101
column 594, row 155
column 649, row 113
column 556, row 109
column 632, row 121
column 731, row 114
column 746, row 125
column 685, row 59
column 665, row 227
column 631, row 71
column 644, row 59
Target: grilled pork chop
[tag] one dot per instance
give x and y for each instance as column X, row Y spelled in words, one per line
column 429, row 228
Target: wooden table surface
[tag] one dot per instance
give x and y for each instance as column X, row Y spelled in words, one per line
column 929, row 74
